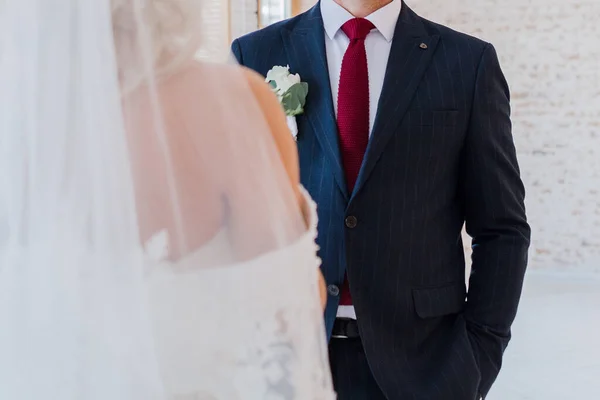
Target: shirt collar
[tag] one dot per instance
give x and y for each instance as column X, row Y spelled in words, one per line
column 384, row 19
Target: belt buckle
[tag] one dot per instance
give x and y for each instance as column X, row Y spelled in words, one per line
column 344, row 323
column 339, row 337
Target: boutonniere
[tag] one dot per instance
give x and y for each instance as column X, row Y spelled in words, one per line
column 291, row 92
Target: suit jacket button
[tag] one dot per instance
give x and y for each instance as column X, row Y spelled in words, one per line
column 351, row 222
column 333, row 290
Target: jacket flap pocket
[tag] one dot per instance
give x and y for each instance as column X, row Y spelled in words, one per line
column 439, row 301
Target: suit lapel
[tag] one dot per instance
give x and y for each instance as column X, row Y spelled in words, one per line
column 410, row 55
column 305, row 49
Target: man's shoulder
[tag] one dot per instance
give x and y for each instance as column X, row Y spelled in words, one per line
column 264, row 47
column 453, row 37
column 273, row 31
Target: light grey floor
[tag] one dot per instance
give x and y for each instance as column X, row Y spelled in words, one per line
column 555, row 351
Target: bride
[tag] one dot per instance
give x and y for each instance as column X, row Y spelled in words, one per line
column 154, row 240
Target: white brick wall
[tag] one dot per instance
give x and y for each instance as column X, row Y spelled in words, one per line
column 550, row 53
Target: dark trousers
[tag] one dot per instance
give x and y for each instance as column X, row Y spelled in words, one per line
column 352, row 377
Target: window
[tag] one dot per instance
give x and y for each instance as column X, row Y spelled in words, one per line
column 271, row 11
column 225, row 20
column 215, row 30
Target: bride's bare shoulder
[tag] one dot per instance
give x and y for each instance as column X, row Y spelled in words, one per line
column 239, row 84
column 234, row 82
column 224, row 77
column 247, row 88
column 276, row 119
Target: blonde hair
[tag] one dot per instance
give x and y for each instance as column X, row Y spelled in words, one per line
column 153, row 38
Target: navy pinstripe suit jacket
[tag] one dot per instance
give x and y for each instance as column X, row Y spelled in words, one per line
column 441, row 154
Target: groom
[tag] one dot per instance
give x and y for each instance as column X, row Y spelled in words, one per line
column 406, row 136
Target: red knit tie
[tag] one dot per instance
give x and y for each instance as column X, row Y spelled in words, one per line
column 353, row 109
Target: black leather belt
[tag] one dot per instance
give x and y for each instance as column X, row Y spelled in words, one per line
column 345, row 328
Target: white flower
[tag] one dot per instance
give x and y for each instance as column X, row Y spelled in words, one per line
column 282, row 78
column 286, row 82
column 291, row 92
column 276, row 72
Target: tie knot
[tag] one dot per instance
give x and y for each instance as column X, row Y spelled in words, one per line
column 357, row 28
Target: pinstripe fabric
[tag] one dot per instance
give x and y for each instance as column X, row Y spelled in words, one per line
column 351, row 373
column 441, row 153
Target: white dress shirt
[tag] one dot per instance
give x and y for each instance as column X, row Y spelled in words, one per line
column 378, row 45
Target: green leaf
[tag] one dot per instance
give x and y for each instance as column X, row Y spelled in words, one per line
column 300, row 90
column 290, row 103
column 292, row 113
column 294, row 99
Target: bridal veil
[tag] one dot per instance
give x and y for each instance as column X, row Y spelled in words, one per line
column 151, row 243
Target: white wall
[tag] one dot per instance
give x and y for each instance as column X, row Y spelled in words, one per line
column 550, row 53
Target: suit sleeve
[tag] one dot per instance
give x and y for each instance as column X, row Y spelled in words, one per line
column 236, row 49
column 495, row 218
